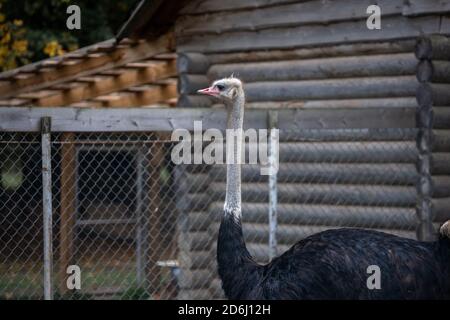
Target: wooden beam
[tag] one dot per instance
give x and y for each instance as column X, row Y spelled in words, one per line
column 324, row 89
column 67, row 208
column 342, row 32
column 340, row 50
column 325, row 68
column 138, row 96
column 288, row 15
column 90, row 87
column 69, row 119
column 155, row 160
column 92, row 65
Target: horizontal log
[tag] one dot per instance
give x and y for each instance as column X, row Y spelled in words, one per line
column 325, row 68
column 194, row 101
column 192, row 63
column 190, row 260
column 341, row 50
column 196, row 182
column 440, row 140
column 398, row 196
column 194, row 241
column 349, row 88
column 338, row 215
column 416, row 7
column 390, row 173
column 288, row 15
column 189, row 84
column 341, row 135
column 433, row 71
column 67, row 119
column 435, row 47
column 440, row 163
column 433, row 94
column 441, row 186
column 332, row 34
column 399, row 102
column 440, row 207
column 195, row 221
column 289, row 235
column 194, row 279
column 357, row 152
column 199, row 294
column 194, row 202
column 441, row 119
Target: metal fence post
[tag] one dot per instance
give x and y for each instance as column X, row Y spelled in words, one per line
column 273, row 192
column 47, row 205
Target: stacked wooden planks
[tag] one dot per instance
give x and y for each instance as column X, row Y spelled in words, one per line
column 108, row 74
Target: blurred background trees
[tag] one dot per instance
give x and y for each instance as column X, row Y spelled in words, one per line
column 32, row 30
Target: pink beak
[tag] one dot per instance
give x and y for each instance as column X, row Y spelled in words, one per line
column 211, row 91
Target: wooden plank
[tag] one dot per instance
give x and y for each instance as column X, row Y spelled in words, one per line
column 67, row 208
column 417, row 7
column 434, row 47
column 336, row 215
column 440, row 140
column 101, row 85
column 336, row 173
column 139, row 96
column 398, row 102
column 434, row 71
column 192, row 260
column 441, row 118
column 440, row 209
column 361, row 195
column 440, row 163
column 189, row 84
column 289, row 15
column 336, row 33
column 88, row 67
column 325, row 68
column 192, row 63
column 341, row 50
column 349, row 152
column 433, row 94
column 69, row 119
column 350, row 88
column 155, row 161
column 441, row 186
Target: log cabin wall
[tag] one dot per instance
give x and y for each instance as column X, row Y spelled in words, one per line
column 321, row 55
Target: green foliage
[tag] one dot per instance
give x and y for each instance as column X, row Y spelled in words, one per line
column 42, row 24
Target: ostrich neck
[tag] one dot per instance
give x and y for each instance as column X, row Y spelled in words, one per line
column 238, row 271
column 234, row 150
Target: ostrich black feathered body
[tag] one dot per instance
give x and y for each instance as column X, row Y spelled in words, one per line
column 333, row 265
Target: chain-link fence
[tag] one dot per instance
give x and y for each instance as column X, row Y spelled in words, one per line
column 140, row 227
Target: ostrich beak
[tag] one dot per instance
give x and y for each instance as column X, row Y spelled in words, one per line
column 211, row 91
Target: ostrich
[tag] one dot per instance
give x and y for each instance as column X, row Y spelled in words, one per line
column 328, row 265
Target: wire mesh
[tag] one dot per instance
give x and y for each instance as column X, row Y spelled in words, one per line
column 139, row 226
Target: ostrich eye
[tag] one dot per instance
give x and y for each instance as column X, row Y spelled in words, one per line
column 220, row 87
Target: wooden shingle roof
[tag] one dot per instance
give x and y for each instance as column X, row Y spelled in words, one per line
column 108, row 74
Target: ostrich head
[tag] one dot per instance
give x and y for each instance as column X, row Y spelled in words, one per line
column 228, row 90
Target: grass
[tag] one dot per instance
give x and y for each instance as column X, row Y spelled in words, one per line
column 25, row 282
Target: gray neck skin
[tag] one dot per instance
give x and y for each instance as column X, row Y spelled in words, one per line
column 235, row 110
